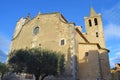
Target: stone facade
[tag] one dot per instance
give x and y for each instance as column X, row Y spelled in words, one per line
column 85, row 53
column 115, row 72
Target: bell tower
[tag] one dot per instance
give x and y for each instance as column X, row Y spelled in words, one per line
column 94, row 28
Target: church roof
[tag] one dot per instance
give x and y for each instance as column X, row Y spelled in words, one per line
column 92, row 12
column 79, row 32
column 97, row 46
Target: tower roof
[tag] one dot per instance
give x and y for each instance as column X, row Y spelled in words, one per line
column 92, row 12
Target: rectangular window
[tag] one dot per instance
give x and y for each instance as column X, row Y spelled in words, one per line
column 62, row 42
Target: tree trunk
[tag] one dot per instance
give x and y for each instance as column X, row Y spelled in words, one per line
column 37, row 77
column 44, row 76
column 2, row 76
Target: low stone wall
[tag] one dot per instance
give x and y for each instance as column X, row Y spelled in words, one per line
column 10, row 76
column 57, row 78
column 24, row 76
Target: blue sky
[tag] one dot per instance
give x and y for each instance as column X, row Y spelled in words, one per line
column 73, row 10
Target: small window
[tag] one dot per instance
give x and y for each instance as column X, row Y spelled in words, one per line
column 97, row 34
column 36, row 30
column 40, row 45
column 95, row 21
column 86, row 54
column 90, row 23
column 62, row 42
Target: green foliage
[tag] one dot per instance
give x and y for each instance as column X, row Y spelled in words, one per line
column 3, row 69
column 17, row 60
column 37, row 61
column 61, row 61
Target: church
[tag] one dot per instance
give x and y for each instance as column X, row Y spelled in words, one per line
column 86, row 56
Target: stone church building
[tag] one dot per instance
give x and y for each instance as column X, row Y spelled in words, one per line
column 86, row 56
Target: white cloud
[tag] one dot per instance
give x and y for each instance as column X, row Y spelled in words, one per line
column 115, row 55
column 4, row 44
column 113, row 15
column 112, row 31
column 116, row 50
column 115, row 59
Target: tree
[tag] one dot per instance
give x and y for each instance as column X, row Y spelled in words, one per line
column 37, row 61
column 3, row 69
column 17, row 60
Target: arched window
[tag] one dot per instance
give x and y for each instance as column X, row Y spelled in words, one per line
column 90, row 23
column 95, row 21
